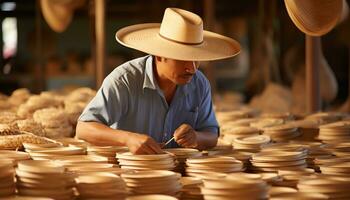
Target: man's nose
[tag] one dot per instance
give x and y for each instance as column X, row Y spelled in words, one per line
column 191, row 67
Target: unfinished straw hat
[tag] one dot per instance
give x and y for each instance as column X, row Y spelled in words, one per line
column 59, row 13
column 314, row 17
column 180, row 36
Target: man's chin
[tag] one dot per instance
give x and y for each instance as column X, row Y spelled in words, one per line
column 184, row 81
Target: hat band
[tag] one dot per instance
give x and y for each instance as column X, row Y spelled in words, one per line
column 187, row 43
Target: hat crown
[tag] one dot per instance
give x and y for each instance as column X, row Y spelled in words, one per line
column 181, row 26
column 314, row 17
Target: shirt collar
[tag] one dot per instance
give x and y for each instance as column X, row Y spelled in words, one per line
column 149, row 80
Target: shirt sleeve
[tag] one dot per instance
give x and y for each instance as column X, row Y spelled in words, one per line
column 109, row 104
column 206, row 120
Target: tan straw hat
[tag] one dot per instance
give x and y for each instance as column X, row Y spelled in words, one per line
column 314, row 17
column 180, row 36
column 59, row 13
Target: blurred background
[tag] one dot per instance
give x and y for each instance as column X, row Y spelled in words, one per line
column 271, row 66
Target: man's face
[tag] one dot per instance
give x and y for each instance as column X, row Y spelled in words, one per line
column 179, row 72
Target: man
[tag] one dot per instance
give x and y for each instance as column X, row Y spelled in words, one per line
column 149, row 100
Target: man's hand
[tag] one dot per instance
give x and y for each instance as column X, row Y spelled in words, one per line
column 143, row 144
column 186, row 136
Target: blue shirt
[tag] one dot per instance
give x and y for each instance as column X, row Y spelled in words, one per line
column 130, row 99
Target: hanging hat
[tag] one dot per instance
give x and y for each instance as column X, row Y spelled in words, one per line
column 314, row 17
column 180, row 36
column 59, row 13
column 345, row 12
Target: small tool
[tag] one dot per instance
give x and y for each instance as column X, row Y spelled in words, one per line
column 168, row 141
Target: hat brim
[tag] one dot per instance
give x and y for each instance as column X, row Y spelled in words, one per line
column 146, row 38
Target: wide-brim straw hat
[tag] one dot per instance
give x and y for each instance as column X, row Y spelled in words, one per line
column 59, row 13
column 180, row 36
column 314, row 17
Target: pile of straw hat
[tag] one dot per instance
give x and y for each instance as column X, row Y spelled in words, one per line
column 282, row 133
column 271, row 161
column 271, row 178
column 334, row 187
column 266, row 122
column 44, row 179
column 164, row 161
column 277, row 191
column 251, row 143
column 15, row 156
column 207, row 164
column 315, row 150
column 181, row 155
column 331, row 160
column 7, row 177
column 73, row 160
column 307, row 127
column 191, row 188
column 341, row 169
column 277, row 115
column 229, row 116
column 36, row 102
column 104, row 186
column 25, row 198
column 335, row 132
column 80, row 95
column 107, row 151
column 221, row 148
column 48, row 153
column 30, row 147
column 292, row 177
column 16, row 141
column 239, row 131
column 238, row 122
column 341, row 149
column 8, row 117
column 241, row 155
column 153, row 182
column 31, row 126
column 76, row 101
column 325, row 117
column 74, row 110
column 7, row 129
column 68, row 141
column 19, row 96
column 55, row 122
column 235, row 186
column 151, row 197
column 313, row 17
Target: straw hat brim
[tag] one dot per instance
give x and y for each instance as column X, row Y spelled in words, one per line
column 315, row 22
column 146, row 38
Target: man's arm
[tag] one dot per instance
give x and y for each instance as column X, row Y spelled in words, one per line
column 100, row 134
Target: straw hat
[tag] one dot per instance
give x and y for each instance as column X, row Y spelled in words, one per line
column 314, row 17
column 59, row 13
column 180, row 36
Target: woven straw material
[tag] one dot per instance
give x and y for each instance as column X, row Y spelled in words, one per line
column 16, row 141
column 315, row 17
